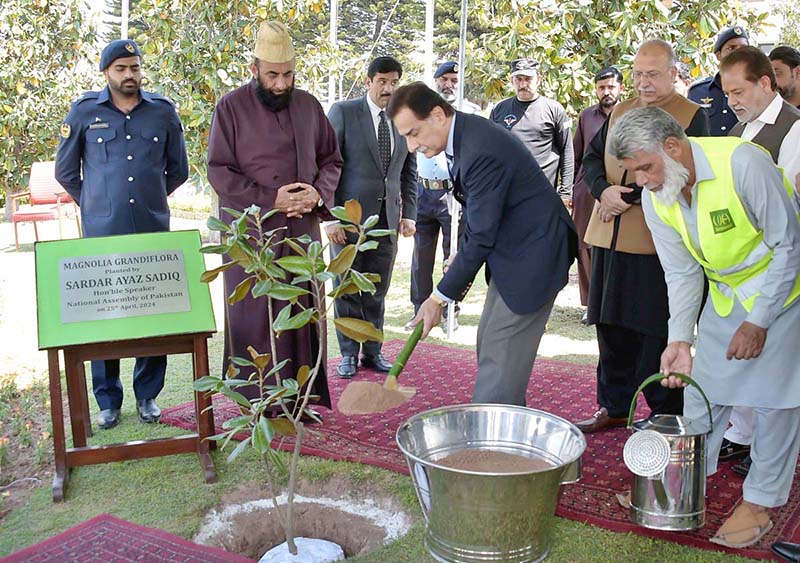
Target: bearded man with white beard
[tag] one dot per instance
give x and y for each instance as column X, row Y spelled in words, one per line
column 719, row 205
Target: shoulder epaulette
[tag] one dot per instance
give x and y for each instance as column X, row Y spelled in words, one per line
column 162, row 98
column 701, row 81
column 90, row 95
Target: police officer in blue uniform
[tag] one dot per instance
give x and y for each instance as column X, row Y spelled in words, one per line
column 433, row 197
column 708, row 91
column 121, row 153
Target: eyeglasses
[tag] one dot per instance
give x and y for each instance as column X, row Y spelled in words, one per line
column 650, row 75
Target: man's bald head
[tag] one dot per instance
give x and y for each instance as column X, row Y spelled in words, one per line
column 658, row 46
column 654, row 72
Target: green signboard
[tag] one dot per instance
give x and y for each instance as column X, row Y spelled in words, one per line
column 119, row 288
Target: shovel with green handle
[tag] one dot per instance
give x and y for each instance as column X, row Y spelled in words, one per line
column 400, row 362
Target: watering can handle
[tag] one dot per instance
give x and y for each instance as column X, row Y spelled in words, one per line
column 658, row 377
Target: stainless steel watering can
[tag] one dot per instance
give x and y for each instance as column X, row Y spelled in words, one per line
column 667, row 455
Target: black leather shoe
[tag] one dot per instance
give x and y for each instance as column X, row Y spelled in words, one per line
column 789, row 551
column 730, row 451
column 377, row 362
column 347, row 368
column 148, row 410
column 108, row 418
column 743, row 468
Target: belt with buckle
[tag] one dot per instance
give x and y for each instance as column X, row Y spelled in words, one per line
column 436, row 184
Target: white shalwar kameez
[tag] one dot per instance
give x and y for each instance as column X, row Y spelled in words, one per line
column 770, row 384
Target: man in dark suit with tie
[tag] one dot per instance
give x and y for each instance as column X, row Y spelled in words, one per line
column 381, row 174
column 514, row 223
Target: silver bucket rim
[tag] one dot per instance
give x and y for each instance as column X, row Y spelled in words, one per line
column 476, row 406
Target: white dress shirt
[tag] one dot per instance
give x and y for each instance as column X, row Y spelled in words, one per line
column 789, row 153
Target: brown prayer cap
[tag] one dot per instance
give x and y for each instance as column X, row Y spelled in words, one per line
column 273, row 43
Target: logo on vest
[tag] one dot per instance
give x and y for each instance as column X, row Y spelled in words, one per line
column 722, row 221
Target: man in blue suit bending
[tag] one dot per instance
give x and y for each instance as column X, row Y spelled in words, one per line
column 513, row 222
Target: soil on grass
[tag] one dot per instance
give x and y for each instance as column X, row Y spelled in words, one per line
column 253, row 533
column 368, row 397
column 26, row 450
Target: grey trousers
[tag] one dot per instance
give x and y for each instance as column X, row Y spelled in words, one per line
column 776, row 442
column 507, row 346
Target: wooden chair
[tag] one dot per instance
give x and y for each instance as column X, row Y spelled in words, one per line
column 48, row 201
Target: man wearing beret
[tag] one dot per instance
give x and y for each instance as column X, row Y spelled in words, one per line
column 541, row 124
column 708, row 91
column 121, row 153
column 271, row 145
column 434, row 189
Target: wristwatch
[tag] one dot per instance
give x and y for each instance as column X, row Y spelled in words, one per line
column 438, row 300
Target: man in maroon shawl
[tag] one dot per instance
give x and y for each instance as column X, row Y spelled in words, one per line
column 608, row 86
column 271, row 145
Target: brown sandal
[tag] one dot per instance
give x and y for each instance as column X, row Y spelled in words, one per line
column 743, row 528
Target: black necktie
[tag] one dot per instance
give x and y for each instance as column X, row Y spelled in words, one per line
column 449, row 159
column 384, row 142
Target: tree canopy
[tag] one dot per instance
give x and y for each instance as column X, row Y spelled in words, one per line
column 195, row 52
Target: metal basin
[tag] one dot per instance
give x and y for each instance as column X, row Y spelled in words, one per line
column 474, row 517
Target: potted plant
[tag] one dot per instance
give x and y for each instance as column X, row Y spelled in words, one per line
column 301, row 272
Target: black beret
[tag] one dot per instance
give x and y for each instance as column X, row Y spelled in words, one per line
column 525, row 66
column 608, row 72
column 445, row 68
column 116, row 50
column 727, row 34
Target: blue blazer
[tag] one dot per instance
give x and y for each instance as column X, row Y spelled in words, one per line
column 514, row 222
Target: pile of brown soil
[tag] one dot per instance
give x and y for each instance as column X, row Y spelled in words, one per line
column 366, row 397
column 490, row 461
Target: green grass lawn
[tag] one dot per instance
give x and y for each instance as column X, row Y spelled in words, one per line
column 169, row 493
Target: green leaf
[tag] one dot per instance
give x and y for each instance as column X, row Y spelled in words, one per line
column 295, row 264
column 215, row 249
column 207, row 383
column 260, row 442
column 236, row 422
column 295, row 246
column 286, row 292
column 261, row 288
column 343, row 260
column 369, row 245
column 340, row 213
column 380, row 232
column 210, row 275
column 233, row 212
column 371, row 221
column 363, row 283
column 237, row 398
column 292, row 323
column 240, row 447
column 241, row 290
column 359, row 330
column 215, row 224
column 347, row 288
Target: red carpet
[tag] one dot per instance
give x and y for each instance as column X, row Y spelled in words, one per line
column 445, row 376
column 106, row 539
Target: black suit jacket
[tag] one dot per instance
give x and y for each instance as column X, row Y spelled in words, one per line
column 514, row 221
column 362, row 172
